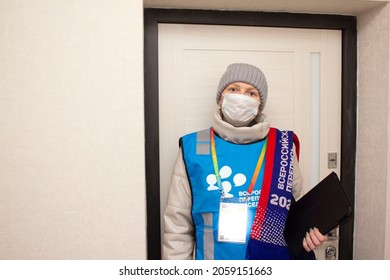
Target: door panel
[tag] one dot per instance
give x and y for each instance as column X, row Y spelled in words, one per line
column 303, row 70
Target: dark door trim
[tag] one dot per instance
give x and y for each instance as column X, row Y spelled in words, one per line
column 152, row 17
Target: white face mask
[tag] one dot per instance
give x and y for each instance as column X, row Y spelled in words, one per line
column 239, row 109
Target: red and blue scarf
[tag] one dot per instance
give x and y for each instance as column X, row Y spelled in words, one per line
column 266, row 238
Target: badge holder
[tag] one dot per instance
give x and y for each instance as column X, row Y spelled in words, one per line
column 232, row 223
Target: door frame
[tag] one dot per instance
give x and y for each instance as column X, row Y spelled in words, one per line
column 347, row 24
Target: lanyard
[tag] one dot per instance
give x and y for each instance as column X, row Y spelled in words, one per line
column 216, row 168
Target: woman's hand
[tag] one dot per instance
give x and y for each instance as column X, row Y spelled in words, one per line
column 313, row 239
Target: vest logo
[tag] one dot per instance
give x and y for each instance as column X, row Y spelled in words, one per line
column 225, row 172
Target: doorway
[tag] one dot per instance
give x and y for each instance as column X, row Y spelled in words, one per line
column 345, row 26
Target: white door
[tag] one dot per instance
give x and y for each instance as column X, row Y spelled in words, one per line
column 303, row 70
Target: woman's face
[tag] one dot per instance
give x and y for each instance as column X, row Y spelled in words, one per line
column 241, row 88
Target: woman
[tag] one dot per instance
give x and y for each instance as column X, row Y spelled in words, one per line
column 214, row 208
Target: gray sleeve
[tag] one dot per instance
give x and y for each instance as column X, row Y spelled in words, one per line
column 178, row 240
column 297, row 181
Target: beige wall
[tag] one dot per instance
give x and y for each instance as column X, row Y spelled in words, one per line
column 372, row 220
column 72, row 183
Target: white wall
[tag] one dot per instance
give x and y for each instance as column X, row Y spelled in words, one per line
column 72, row 179
column 72, row 183
column 372, row 219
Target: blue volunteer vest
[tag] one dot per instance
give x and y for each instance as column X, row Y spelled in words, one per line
column 237, row 163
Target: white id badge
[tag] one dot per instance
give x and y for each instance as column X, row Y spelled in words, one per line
column 232, row 221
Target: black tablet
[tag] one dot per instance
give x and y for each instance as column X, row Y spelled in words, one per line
column 323, row 207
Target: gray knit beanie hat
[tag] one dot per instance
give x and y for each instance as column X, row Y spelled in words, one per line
column 246, row 73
